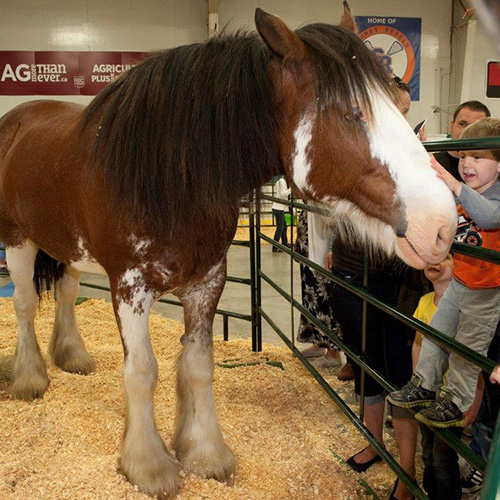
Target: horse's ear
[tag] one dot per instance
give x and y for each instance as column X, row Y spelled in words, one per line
column 347, row 20
column 278, row 37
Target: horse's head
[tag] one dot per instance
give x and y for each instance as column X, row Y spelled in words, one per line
column 344, row 143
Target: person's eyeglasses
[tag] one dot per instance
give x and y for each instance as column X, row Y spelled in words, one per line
column 399, row 83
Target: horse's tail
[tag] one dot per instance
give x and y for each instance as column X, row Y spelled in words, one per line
column 47, row 272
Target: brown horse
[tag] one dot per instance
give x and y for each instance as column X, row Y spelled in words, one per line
column 144, row 184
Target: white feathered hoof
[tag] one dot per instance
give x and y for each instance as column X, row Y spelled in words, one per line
column 73, row 359
column 29, row 387
column 209, row 462
column 158, row 476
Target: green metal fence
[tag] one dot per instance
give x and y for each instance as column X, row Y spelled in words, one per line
column 491, row 488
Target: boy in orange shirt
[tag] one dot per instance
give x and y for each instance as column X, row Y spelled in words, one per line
column 470, row 308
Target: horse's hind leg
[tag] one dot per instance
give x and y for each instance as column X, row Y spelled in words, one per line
column 29, row 378
column 198, row 439
column 144, row 459
column 66, row 345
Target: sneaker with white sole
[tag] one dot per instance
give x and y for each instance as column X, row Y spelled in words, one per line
column 442, row 412
column 472, row 481
column 411, row 394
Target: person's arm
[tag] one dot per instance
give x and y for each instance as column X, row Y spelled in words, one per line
column 485, row 212
column 471, row 413
column 416, row 347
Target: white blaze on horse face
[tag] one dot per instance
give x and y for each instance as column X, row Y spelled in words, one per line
column 427, row 201
column 301, row 164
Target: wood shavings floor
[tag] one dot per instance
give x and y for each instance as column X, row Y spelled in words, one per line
column 279, row 423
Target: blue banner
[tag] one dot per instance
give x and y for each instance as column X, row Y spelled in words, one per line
column 396, row 41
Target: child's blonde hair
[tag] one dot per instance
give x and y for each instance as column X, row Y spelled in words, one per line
column 485, row 127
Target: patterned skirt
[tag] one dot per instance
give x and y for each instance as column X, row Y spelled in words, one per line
column 315, row 295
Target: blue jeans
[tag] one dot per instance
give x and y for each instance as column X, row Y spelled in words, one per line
column 441, row 470
column 280, row 233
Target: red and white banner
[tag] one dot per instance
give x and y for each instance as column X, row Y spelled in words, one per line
column 62, row 73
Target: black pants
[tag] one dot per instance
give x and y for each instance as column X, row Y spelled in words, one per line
column 388, row 349
column 280, row 233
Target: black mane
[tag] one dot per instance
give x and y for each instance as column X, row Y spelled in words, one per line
column 190, row 130
column 345, row 69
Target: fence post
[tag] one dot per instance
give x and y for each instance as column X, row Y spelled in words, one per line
column 255, row 293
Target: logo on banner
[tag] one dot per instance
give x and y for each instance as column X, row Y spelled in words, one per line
column 62, row 73
column 396, row 42
column 34, row 73
column 393, row 49
column 79, row 81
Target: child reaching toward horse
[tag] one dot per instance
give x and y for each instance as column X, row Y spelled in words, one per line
column 440, row 276
column 470, row 308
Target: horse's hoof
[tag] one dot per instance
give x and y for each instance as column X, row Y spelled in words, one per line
column 77, row 362
column 28, row 388
column 218, row 464
column 159, row 477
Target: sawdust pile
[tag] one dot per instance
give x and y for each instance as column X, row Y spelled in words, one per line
column 279, row 423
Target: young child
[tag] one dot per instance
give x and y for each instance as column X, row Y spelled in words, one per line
column 470, row 308
column 440, row 276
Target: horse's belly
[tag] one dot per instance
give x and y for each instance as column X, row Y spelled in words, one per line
column 88, row 266
column 85, row 262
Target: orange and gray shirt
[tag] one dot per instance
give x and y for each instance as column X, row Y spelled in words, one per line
column 479, row 225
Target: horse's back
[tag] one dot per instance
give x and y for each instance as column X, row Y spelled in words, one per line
column 39, row 119
column 36, row 145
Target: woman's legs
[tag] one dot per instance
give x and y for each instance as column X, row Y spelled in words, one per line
column 374, row 422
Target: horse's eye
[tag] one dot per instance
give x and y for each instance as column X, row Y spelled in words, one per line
column 358, row 114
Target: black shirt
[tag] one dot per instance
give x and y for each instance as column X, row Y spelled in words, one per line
column 450, row 163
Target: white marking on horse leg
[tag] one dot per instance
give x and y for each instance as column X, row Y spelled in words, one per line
column 144, row 458
column 66, row 345
column 29, row 378
column 198, row 439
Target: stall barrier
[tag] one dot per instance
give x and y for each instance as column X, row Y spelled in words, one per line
column 491, row 486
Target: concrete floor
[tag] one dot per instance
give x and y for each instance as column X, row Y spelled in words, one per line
column 236, row 296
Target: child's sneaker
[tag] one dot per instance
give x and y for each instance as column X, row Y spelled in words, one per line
column 442, row 413
column 472, row 481
column 412, row 394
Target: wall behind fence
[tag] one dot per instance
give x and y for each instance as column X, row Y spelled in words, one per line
column 146, row 25
column 436, row 22
column 94, row 25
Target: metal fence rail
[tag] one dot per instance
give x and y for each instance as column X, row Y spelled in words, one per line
column 491, row 487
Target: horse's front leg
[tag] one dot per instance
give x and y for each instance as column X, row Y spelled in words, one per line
column 144, row 459
column 29, row 377
column 198, row 439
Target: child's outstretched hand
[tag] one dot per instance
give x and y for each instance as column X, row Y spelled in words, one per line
column 442, row 173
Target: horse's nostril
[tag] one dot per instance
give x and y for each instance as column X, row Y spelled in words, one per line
column 401, row 227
